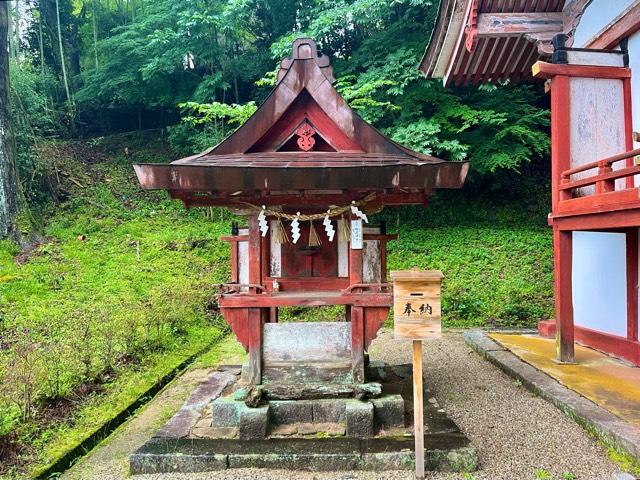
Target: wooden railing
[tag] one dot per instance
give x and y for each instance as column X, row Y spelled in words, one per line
column 604, row 180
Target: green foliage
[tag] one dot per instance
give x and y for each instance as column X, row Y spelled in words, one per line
column 33, row 117
column 9, row 418
column 119, row 289
column 153, row 61
column 542, row 474
column 485, row 283
column 206, row 124
column 622, row 458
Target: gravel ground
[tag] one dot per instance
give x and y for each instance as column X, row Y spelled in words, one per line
column 514, row 432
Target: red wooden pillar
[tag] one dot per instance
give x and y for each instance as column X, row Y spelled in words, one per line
column 355, row 266
column 357, row 319
column 357, row 344
column 562, row 257
column 254, row 318
column 562, row 239
column 632, row 284
column 255, row 252
column 560, row 135
column 628, row 125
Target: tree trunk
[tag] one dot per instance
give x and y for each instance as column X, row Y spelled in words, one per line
column 65, row 80
column 95, row 33
column 16, row 32
column 10, row 36
column 11, row 198
column 41, row 44
column 74, row 63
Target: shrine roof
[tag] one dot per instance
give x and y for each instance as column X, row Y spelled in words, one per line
column 479, row 41
column 304, row 137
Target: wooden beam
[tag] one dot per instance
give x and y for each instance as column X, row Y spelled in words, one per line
column 550, row 70
column 316, row 299
column 606, row 220
column 516, row 24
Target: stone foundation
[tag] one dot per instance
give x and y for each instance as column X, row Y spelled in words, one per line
column 214, row 431
column 359, row 419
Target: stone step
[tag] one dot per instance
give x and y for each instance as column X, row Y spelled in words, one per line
column 450, row 453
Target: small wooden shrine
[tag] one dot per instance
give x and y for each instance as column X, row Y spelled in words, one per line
column 306, row 171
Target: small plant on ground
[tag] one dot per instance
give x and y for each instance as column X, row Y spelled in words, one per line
column 542, row 474
column 569, row 476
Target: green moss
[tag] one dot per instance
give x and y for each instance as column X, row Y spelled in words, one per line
column 116, row 296
column 625, row 461
column 228, row 351
column 493, row 276
column 57, row 441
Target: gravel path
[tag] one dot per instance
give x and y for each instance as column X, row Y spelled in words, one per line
column 515, row 432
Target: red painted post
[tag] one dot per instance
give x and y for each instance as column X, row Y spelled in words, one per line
column 357, row 344
column 255, row 252
column 560, row 147
column 628, row 126
column 254, row 320
column 562, row 256
column 632, row 284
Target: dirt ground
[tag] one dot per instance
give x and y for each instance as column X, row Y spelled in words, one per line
column 518, row 436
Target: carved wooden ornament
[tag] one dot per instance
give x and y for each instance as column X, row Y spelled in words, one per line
column 306, row 140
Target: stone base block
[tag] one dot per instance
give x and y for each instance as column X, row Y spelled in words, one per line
column 359, row 417
column 254, row 422
column 285, row 412
column 329, row 411
column 388, row 411
column 225, row 412
column 176, row 462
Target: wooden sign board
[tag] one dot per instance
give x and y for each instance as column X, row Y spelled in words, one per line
column 416, row 304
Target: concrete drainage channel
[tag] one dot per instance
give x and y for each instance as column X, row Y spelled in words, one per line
column 593, row 418
column 64, row 462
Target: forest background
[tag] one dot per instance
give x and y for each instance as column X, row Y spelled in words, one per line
column 111, row 287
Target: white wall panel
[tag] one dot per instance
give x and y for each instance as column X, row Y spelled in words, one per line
column 599, row 281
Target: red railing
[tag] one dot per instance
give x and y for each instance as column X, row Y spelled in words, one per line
column 604, row 180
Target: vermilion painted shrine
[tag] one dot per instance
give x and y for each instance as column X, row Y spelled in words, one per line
column 305, row 171
column 306, row 151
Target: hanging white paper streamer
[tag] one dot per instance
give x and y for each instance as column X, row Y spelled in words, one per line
column 358, row 213
column 295, row 229
column 328, row 227
column 262, row 222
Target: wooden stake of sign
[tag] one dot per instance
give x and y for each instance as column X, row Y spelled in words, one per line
column 418, row 408
column 416, row 317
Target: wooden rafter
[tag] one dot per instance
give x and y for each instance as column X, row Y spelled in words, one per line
column 515, row 24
